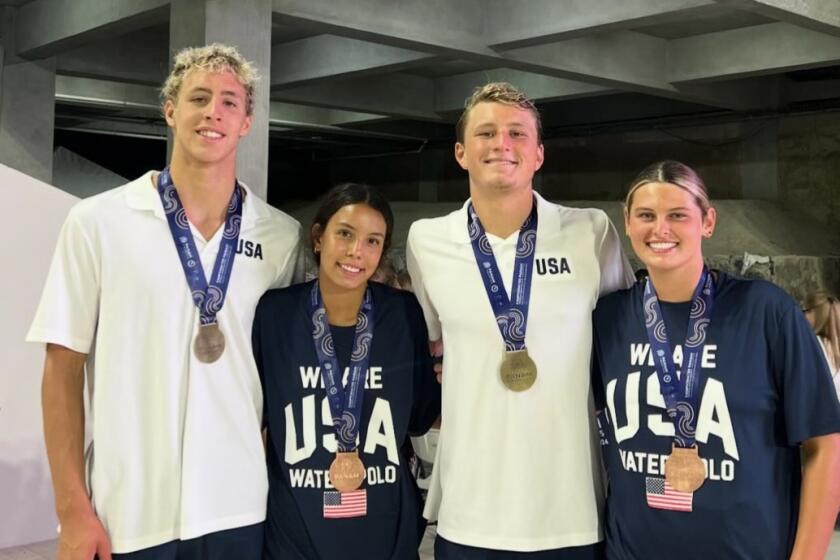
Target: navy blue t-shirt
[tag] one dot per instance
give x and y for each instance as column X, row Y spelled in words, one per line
column 401, row 398
column 765, row 389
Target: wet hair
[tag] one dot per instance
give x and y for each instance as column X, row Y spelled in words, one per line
column 674, row 173
column 497, row 92
column 215, row 58
column 826, row 310
column 346, row 194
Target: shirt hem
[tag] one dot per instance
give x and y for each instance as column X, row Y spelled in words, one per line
column 521, row 545
column 46, row 336
column 122, row 546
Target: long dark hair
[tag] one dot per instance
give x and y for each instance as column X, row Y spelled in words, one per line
column 346, row 194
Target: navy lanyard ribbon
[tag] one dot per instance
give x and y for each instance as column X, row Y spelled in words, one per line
column 511, row 313
column 345, row 403
column 680, row 394
column 207, row 296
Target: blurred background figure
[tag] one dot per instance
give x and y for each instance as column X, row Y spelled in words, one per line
column 386, row 273
column 823, row 312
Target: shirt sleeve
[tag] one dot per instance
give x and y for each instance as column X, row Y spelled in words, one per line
column 69, row 308
column 413, row 265
column 425, row 408
column 293, row 268
column 616, row 272
column 808, row 400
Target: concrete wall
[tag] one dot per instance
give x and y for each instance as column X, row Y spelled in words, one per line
column 809, row 166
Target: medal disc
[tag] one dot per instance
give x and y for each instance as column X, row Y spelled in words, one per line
column 518, row 370
column 684, row 470
column 347, row 471
column 209, row 344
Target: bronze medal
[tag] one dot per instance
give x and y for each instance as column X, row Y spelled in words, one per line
column 209, row 344
column 347, row 471
column 518, row 370
column 684, row 470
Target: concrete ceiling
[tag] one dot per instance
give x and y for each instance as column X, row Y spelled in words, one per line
column 377, row 67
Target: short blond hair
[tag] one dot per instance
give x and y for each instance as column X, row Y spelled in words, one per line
column 214, row 57
column 497, row 92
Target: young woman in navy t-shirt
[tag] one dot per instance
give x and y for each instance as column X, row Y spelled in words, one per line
column 707, row 387
column 347, row 376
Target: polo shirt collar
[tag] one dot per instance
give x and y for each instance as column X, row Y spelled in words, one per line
column 548, row 220
column 142, row 195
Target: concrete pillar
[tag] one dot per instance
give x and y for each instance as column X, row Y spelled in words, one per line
column 245, row 24
column 27, row 108
column 760, row 161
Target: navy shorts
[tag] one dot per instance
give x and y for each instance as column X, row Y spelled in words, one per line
column 448, row 550
column 242, row 543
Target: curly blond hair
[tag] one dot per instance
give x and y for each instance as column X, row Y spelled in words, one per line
column 214, row 57
column 497, row 92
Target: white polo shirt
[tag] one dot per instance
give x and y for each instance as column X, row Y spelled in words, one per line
column 517, row 471
column 176, row 450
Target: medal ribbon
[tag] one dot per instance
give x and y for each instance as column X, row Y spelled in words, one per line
column 345, row 402
column 511, row 313
column 207, row 296
column 680, row 394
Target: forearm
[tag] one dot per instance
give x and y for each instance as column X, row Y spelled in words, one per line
column 820, row 497
column 62, row 397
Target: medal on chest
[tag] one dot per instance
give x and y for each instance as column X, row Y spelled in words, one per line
column 518, row 372
column 209, row 344
column 347, row 472
column 208, row 296
column 684, row 469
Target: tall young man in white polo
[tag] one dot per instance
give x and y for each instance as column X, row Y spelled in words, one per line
column 152, row 289
column 509, row 283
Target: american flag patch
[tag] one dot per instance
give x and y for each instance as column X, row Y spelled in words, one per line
column 660, row 495
column 338, row 505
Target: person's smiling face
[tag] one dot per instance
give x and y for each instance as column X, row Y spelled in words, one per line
column 350, row 246
column 666, row 227
column 209, row 117
column 501, row 148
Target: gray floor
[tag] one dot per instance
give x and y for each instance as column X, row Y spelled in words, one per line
column 46, row 550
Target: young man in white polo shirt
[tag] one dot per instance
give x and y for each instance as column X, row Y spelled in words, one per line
column 176, row 466
column 509, row 283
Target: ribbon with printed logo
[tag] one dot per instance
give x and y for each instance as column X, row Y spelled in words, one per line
column 208, row 296
column 345, row 402
column 680, row 393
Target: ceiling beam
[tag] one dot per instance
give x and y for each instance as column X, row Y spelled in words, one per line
column 773, row 48
column 817, row 15
column 48, row 27
column 313, row 59
column 452, row 91
column 547, row 21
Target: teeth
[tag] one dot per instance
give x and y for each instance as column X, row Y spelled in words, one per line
column 349, row 268
column 209, row 134
column 662, row 246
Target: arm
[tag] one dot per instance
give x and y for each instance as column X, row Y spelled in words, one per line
column 820, row 497
column 82, row 534
column 616, row 272
column 425, row 410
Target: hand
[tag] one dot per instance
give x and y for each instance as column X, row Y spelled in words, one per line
column 83, row 537
column 436, row 350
